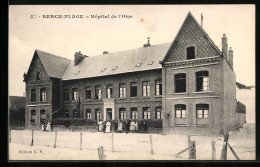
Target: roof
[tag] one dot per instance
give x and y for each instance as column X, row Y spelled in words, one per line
column 118, row 62
column 55, row 66
column 17, row 101
column 203, row 31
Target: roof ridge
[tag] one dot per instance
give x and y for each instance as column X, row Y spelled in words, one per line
column 52, row 54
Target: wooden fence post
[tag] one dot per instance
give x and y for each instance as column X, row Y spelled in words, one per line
column 233, row 151
column 151, row 141
column 112, row 140
column 32, row 139
column 80, row 143
column 101, row 154
column 224, row 149
column 213, row 144
column 55, row 141
column 192, row 150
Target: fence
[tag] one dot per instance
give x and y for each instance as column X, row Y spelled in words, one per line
column 175, row 146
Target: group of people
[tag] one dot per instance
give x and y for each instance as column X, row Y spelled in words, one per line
column 46, row 125
column 120, row 126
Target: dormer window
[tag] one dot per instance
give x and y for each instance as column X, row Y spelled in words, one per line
column 190, row 52
column 138, row 65
column 103, row 69
column 150, row 63
column 76, row 72
column 38, row 76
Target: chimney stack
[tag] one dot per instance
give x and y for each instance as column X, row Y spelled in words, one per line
column 148, row 42
column 105, row 52
column 230, row 55
column 224, row 46
column 78, row 57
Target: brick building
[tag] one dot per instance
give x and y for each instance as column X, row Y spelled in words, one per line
column 188, row 82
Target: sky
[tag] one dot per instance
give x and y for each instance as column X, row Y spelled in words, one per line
column 92, row 36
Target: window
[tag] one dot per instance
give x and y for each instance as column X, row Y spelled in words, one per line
column 66, row 94
column 42, row 115
column 180, row 111
column 97, row 92
column 180, row 83
column 75, row 94
column 133, row 89
column 98, row 115
column 38, row 76
column 42, row 94
column 158, row 113
column 138, row 65
column 150, row 63
column 33, row 116
column 190, row 52
column 146, row 88
column 122, row 90
column 88, row 114
column 109, row 91
column 103, row 69
column 158, row 87
column 202, row 81
column 114, row 68
column 88, row 93
column 134, row 113
column 66, row 114
column 146, row 113
column 202, row 110
column 33, row 95
column 75, row 114
column 122, row 113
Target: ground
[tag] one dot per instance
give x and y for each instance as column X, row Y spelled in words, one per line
column 131, row 146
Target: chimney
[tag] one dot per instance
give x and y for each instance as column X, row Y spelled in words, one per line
column 224, row 46
column 78, row 57
column 230, row 55
column 148, row 42
column 105, row 52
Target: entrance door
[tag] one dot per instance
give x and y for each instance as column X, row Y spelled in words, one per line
column 109, row 114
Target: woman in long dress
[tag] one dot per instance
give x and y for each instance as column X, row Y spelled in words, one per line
column 100, row 126
column 108, row 124
column 120, row 126
column 132, row 126
column 48, row 128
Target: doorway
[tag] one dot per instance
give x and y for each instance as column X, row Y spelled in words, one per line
column 109, row 114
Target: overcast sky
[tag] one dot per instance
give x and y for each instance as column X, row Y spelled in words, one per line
column 63, row 37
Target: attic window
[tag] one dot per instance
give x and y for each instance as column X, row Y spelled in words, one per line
column 76, row 72
column 138, row 65
column 150, row 63
column 114, row 68
column 103, row 69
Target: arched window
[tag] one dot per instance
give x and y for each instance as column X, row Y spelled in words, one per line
column 38, row 76
column 190, row 52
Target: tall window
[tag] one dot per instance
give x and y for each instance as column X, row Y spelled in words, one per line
column 202, row 110
column 88, row 93
column 122, row 113
column 122, row 90
column 133, row 113
column 75, row 94
column 146, row 88
column 98, row 115
column 33, row 116
column 109, row 91
column 180, row 111
column 38, row 76
column 146, row 113
column 133, row 89
column 33, row 95
column 42, row 94
column 67, row 114
column 66, row 94
column 97, row 92
column 42, row 115
column 158, row 87
column 158, row 113
column 190, row 52
column 202, row 80
column 180, row 83
column 88, row 114
column 75, row 113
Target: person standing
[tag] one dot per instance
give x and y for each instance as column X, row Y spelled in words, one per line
column 136, row 126
column 48, row 128
column 120, row 127
column 108, row 124
column 132, row 126
column 127, row 126
column 100, row 126
column 104, row 126
column 115, row 126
